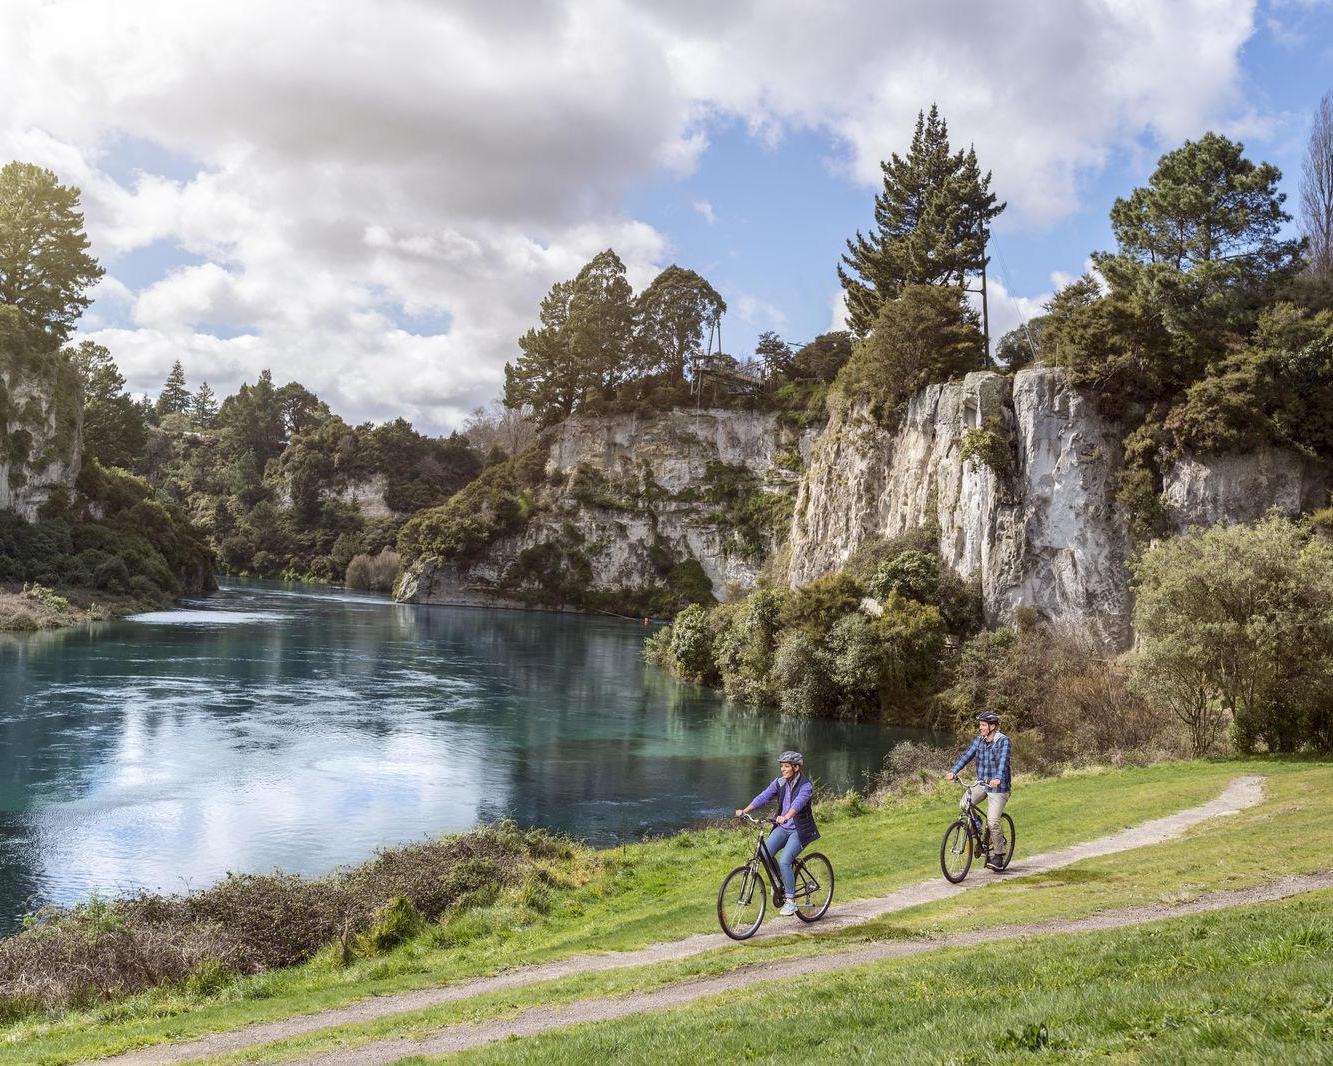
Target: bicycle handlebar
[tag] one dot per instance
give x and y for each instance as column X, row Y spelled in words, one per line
column 759, row 821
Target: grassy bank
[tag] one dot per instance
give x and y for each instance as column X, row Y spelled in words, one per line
column 663, row 890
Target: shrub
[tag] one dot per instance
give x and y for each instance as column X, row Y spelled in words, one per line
column 801, row 678
column 376, row 573
column 395, row 923
column 1240, row 618
column 1060, row 699
column 927, row 334
column 692, row 645
column 498, row 503
column 249, row 923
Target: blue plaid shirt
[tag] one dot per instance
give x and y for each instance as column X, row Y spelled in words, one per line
column 992, row 761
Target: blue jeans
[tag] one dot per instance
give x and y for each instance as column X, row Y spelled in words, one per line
column 784, row 845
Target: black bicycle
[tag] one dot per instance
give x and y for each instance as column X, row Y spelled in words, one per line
column 971, row 835
column 743, row 898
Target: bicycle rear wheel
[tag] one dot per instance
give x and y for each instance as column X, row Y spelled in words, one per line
column 956, row 852
column 1010, row 839
column 741, row 903
column 814, row 887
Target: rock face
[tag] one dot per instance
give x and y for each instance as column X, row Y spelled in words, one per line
column 41, row 421
column 1242, row 488
column 634, row 496
column 1033, row 522
column 1029, row 514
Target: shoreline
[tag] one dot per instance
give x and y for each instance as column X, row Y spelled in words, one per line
column 35, row 608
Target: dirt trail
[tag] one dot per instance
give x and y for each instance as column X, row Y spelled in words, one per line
column 1241, row 793
column 543, row 1019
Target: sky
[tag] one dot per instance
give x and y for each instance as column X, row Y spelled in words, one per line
column 372, row 196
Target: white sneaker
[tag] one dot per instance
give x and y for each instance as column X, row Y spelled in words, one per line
column 788, row 909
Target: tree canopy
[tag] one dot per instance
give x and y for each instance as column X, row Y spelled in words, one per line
column 932, row 222
column 582, row 342
column 593, row 336
column 1202, row 238
column 673, row 317
column 45, row 268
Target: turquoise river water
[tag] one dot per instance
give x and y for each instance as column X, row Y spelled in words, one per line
column 288, row 727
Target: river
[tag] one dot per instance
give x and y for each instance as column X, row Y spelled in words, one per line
column 291, row 727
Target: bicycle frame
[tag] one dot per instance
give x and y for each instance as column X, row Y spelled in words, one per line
column 765, row 859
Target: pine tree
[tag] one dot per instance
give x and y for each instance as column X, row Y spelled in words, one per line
column 932, row 222
column 204, row 407
column 175, row 397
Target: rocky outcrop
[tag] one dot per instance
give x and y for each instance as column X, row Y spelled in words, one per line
column 1015, row 477
column 1029, row 515
column 630, row 498
column 1242, row 487
column 41, row 418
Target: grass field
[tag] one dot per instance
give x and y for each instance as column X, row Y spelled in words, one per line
column 664, row 890
column 1249, row 986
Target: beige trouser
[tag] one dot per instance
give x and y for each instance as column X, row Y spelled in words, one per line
column 995, row 802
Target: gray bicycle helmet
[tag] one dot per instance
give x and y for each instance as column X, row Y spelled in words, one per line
column 794, row 757
column 989, row 716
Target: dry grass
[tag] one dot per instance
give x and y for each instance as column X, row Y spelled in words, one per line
column 248, row 923
column 27, row 609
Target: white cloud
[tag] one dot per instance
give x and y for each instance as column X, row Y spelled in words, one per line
column 357, row 168
column 838, row 319
column 706, row 210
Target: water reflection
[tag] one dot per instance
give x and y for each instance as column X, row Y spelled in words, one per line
column 280, row 727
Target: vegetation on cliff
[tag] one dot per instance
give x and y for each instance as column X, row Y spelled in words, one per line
column 1204, row 331
column 107, row 534
column 278, row 483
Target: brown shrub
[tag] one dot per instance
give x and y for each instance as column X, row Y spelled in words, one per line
column 1061, row 700
column 377, row 573
column 248, row 923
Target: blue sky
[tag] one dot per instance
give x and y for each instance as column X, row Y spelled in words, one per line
column 373, row 201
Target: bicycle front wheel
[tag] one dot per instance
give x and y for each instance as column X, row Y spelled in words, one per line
column 1010, row 839
column 814, row 887
column 956, row 852
column 741, row 903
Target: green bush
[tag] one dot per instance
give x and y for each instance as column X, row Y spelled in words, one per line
column 691, row 645
column 928, row 334
column 496, row 504
column 1237, row 621
column 397, row 922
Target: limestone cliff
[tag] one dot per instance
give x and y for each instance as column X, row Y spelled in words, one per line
column 41, row 418
column 1031, row 514
column 627, row 502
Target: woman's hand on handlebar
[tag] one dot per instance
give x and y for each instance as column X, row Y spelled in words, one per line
column 949, row 775
column 741, row 814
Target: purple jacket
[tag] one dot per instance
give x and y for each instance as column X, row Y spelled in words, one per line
column 795, row 796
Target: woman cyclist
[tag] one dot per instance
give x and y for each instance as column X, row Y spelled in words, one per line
column 796, row 820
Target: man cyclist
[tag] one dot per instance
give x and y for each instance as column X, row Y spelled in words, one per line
column 796, row 821
column 991, row 750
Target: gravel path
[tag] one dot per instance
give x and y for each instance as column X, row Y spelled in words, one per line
column 1241, row 793
column 543, row 1019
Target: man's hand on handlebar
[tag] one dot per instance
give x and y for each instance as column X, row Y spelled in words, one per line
column 949, row 775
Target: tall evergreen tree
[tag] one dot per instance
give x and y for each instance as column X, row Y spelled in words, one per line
column 932, row 222
column 204, row 406
column 174, row 398
column 114, row 430
column 583, row 342
column 45, row 268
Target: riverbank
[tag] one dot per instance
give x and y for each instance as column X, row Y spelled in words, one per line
column 31, row 607
column 577, row 900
